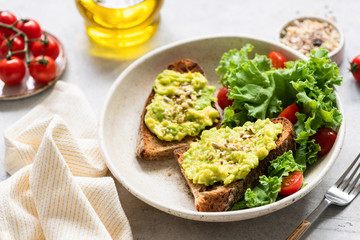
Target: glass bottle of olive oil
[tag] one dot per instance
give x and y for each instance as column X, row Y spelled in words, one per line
column 120, row 23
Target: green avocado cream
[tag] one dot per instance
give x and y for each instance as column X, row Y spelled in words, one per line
column 226, row 155
column 181, row 106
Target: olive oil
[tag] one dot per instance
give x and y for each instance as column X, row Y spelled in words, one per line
column 120, row 23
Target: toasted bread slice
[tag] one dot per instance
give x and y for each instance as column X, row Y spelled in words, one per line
column 149, row 147
column 218, row 198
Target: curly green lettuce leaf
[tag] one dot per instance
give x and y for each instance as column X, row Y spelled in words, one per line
column 315, row 90
column 264, row 193
column 306, row 153
column 283, row 165
column 230, row 61
column 306, row 149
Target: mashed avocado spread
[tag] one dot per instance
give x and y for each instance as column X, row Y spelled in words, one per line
column 181, row 105
column 226, row 155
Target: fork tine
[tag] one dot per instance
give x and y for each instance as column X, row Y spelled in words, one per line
column 348, row 180
column 354, row 184
column 351, row 187
column 355, row 191
column 339, row 181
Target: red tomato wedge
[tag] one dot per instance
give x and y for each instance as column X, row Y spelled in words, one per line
column 289, row 113
column 325, row 137
column 223, row 99
column 292, row 183
column 277, row 59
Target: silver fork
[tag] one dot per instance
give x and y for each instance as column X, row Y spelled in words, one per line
column 341, row 193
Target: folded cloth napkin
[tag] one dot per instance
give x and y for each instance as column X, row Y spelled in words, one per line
column 58, row 189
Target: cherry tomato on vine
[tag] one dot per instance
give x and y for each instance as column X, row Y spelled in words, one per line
column 292, row 183
column 12, row 71
column 355, row 68
column 7, row 18
column 42, row 69
column 223, row 99
column 30, row 27
column 325, row 137
column 17, row 44
column 277, row 59
column 48, row 47
column 289, row 113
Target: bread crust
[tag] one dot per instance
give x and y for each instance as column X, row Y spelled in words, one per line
column 149, row 146
column 218, row 198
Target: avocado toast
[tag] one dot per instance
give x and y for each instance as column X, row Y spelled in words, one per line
column 219, row 197
column 149, row 146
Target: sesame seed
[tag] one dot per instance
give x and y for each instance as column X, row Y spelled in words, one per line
column 216, row 145
column 166, row 99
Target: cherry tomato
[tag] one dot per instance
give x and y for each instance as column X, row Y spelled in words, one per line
column 223, row 99
column 355, row 68
column 278, row 60
column 7, row 18
column 30, row 27
column 292, row 183
column 16, row 44
column 49, row 47
column 289, row 113
column 12, row 71
column 42, row 69
column 325, row 137
column 2, row 36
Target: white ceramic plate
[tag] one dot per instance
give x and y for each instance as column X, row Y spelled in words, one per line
column 160, row 183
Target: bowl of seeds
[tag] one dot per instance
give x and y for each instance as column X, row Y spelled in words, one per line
column 307, row 33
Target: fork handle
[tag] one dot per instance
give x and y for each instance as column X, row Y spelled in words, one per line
column 300, row 230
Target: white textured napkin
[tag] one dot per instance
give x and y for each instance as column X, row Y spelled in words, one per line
column 58, row 189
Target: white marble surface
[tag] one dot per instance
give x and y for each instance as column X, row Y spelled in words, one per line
column 94, row 74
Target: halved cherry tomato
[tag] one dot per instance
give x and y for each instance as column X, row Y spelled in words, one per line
column 325, row 137
column 289, row 113
column 7, row 18
column 277, row 59
column 292, row 183
column 12, row 71
column 30, row 27
column 42, row 69
column 223, row 99
column 49, row 47
column 17, row 44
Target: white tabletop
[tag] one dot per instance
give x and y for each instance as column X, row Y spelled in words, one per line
column 185, row 19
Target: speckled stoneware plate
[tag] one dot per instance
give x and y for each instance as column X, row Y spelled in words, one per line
column 28, row 86
column 160, row 183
